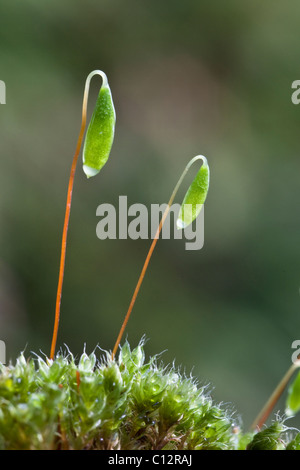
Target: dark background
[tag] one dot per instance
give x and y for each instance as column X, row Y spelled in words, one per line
column 187, row 78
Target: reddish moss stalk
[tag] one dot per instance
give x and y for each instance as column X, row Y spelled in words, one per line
column 68, row 210
column 64, row 242
column 270, row 404
column 148, row 257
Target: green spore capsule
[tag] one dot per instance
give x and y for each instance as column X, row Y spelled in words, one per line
column 100, row 134
column 195, row 196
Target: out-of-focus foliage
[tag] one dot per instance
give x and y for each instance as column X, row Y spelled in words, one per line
column 187, row 78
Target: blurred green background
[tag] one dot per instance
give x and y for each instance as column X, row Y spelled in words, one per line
column 187, row 78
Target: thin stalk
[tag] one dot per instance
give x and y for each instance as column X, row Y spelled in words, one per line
column 270, row 404
column 151, row 249
column 68, row 207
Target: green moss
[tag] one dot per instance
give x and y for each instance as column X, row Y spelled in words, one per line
column 97, row 403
